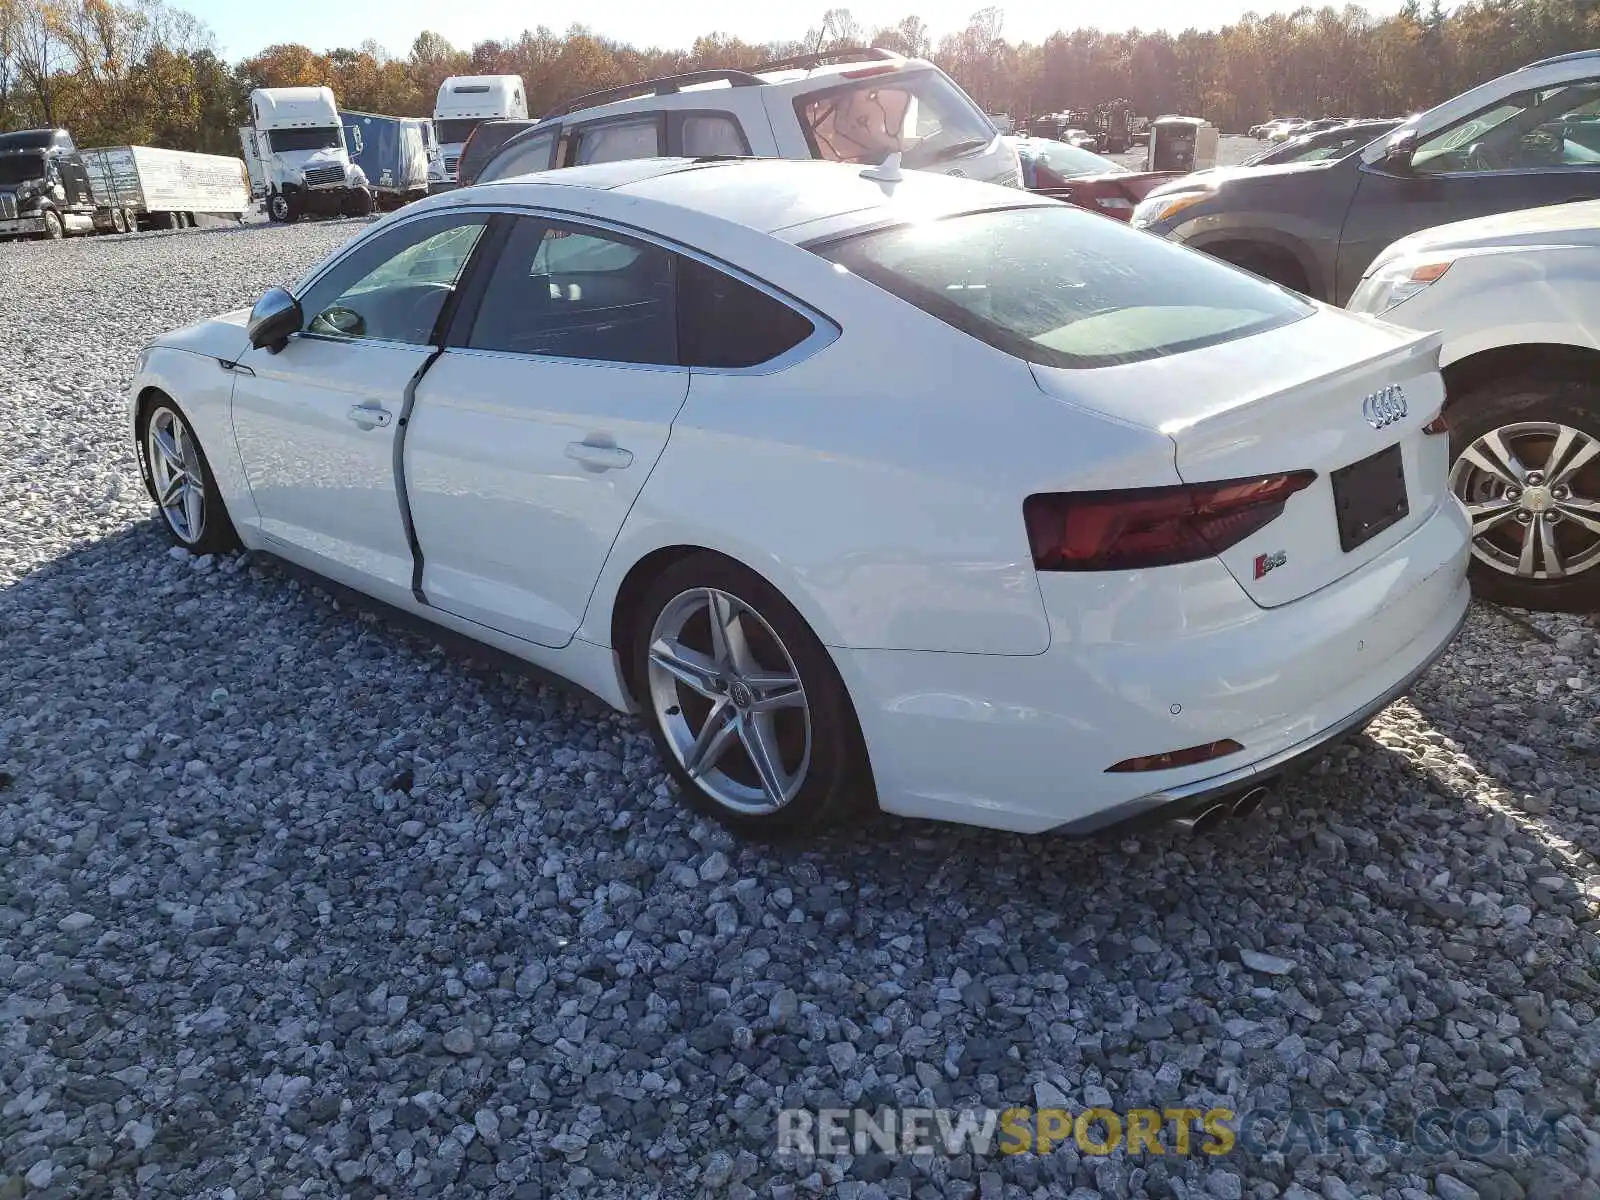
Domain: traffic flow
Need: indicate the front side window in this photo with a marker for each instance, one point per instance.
(394, 287)
(589, 294)
(21, 168)
(618, 141)
(1547, 127)
(921, 114)
(288, 141)
(1064, 287)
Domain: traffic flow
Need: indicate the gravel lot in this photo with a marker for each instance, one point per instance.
(294, 903)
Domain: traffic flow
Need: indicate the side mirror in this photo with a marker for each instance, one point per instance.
(275, 316)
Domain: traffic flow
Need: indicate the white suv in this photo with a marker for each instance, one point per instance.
(856, 106)
(1517, 297)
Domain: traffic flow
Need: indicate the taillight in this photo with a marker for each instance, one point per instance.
(1152, 527)
(1439, 424)
(1186, 757)
(868, 72)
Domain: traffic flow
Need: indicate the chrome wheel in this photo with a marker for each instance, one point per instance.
(725, 693)
(176, 474)
(1532, 490)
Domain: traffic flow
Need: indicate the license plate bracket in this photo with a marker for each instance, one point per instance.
(1369, 496)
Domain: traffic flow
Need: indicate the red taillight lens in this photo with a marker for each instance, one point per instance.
(1438, 425)
(868, 72)
(1177, 758)
(1152, 527)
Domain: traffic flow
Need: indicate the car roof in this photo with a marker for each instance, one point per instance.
(792, 199)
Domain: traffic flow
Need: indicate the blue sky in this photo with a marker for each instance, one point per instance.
(244, 26)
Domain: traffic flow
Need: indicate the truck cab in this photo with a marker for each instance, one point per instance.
(44, 188)
(300, 143)
(464, 102)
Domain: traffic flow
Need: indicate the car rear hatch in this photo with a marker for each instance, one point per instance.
(1346, 399)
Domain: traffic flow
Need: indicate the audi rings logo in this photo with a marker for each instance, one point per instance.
(1385, 407)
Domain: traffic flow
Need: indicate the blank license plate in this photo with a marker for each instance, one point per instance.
(1369, 496)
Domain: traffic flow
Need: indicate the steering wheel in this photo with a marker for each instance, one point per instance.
(1478, 158)
(427, 301)
(339, 321)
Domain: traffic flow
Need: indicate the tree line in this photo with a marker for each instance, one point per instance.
(147, 72)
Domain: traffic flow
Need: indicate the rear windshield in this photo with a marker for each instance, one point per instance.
(922, 114)
(1064, 287)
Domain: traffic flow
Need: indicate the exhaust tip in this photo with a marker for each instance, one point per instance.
(1248, 803)
(1205, 820)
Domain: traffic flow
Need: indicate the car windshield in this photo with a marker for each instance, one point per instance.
(19, 168)
(921, 114)
(1063, 287)
(285, 141)
(1066, 160)
(454, 132)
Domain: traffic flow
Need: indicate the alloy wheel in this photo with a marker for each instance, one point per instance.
(1532, 490)
(177, 475)
(725, 692)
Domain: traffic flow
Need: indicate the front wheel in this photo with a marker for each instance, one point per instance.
(279, 209)
(1526, 463)
(179, 478)
(54, 230)
(745, 706)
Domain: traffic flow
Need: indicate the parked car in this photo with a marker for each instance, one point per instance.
(965, 490)
(1344, 138)
(1517, 297)
(853, 106)
(1316, 227)
(1267, 127)
(1284, 130)
(1081, 138)
(1079, 177)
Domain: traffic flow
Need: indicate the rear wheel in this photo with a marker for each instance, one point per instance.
(179, 478)
(745, 706)
(119, 221)
(1527, 466)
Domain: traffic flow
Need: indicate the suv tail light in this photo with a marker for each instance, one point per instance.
(1152, 527)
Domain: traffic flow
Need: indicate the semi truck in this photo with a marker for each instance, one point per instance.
(297, 137)
(50, 189)
(392, 152)
(465, 101)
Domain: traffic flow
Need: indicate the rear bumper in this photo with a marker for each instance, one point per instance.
(1148, 663)
(1193, 797)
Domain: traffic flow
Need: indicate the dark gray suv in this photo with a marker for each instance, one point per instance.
(1523, 140)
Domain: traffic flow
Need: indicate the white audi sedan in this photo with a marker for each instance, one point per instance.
(857, 487)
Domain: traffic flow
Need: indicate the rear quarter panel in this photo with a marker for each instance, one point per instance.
(879, 484)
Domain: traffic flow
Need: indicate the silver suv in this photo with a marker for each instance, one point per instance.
(849, 106)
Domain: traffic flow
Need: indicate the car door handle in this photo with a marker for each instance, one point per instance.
(599, 458)
(369, 417)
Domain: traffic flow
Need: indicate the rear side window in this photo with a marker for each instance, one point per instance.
(619, 140)
(708, 134)
(921, 114)
(1066, 288)
(725, 323)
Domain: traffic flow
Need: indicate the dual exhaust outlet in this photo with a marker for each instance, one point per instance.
(1212, 815)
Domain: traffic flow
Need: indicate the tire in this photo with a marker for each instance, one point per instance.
(54, 230)
(162, 457)
(130, 220)
(279, 210)
(1535, 418)
(358, 202)
(819, 774)
(119, 221)
(1272, 265)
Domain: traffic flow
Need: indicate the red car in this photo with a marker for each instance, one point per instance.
(1081, 177)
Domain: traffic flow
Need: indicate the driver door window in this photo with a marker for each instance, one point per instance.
(1549, 128)
(394, 288)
